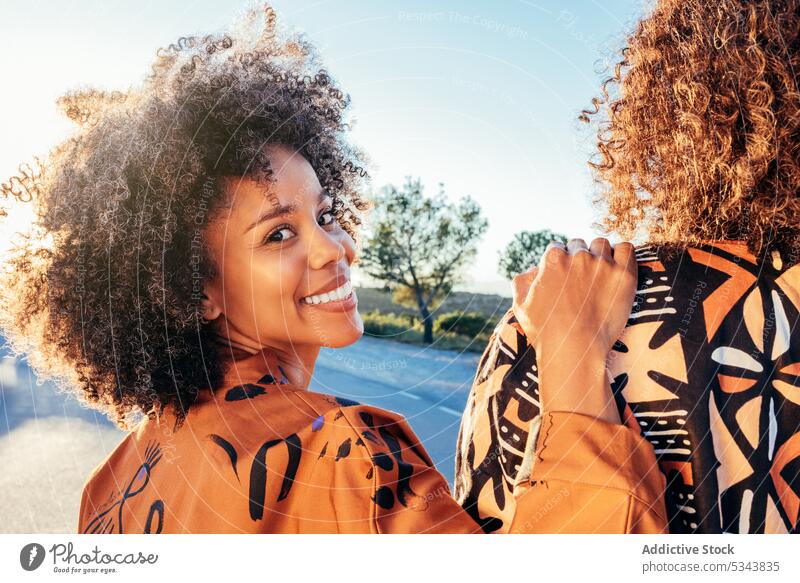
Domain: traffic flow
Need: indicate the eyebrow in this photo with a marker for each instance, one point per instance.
(283, 210)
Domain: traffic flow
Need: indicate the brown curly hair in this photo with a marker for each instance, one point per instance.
(104, 292)
(698, 127)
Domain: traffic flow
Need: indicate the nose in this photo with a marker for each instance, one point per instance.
(324, 247)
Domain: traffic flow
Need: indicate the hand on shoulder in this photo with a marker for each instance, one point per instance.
(572, 308)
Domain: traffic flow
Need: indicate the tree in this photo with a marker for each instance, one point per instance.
(525, 250)
(421, 244)
(406, 297)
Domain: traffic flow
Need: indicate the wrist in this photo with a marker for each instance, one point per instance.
(574, 379)
(569, 353)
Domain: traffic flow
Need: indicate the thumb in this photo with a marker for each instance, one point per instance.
(521, 284)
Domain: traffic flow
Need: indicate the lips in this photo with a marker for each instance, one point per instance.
(332, 284)
(340, 300)
(334, 295)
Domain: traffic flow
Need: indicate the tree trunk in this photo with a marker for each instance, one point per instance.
(427, 323)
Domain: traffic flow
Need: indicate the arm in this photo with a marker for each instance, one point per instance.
(571, 309)
(588, 476)
(602, 474)
(557, 345)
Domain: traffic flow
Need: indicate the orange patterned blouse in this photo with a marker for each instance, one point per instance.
(265, 456)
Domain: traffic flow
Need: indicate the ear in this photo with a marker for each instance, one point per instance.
(211, 308)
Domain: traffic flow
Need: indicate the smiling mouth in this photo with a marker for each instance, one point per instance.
(342, 292)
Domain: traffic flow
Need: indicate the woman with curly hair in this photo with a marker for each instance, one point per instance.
(699, 150)
(192, 254)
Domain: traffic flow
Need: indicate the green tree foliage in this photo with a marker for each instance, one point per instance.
(422, 244)
(525, 250)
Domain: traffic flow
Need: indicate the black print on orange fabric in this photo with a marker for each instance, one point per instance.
(228, 448)
(104, 522)
(258, 473)
(242, 392)
(383, 461)
(156, 511)
(384, 497)
(344, 450)
(404, 469)
(369, 436)
(346, 402)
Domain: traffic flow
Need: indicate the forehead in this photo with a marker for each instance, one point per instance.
(294, 182)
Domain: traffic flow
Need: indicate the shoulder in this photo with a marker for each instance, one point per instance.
(684, 259)
(323, 424)
(102, 484)
(356, 462)
(375, 431)
(688, 290)
(407, 494)
(384, 432)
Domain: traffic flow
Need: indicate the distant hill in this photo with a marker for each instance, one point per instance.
(490, 305)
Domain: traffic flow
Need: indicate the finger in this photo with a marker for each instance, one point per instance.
(576, 245)
(625, 256)
(521, 284)
(600, 247)
(553, 253)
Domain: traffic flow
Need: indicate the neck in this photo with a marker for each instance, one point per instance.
(292, 364)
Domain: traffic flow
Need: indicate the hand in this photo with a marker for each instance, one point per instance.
(572, 308)
(579, 296)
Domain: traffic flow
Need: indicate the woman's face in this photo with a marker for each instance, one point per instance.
(283, 261)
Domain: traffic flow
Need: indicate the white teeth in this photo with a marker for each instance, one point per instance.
(339, 293)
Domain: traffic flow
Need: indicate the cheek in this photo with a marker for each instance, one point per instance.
(259, 287)
(274, 282)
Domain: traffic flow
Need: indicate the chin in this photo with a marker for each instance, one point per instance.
(342, 340)
(342, 335)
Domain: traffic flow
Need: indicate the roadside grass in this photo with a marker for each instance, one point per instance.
(407, 328)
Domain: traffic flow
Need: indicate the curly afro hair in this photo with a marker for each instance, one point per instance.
(104, 293)
(698, 130)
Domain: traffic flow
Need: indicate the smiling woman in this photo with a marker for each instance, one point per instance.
(192, 255)
(284, 279)
(106, 293)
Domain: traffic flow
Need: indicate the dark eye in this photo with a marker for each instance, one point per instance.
(326, 218)
(278, 236)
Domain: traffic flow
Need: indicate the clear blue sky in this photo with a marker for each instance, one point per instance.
(481, 96)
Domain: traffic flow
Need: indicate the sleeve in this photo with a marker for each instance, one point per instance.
(590, 476)
(587, 476)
